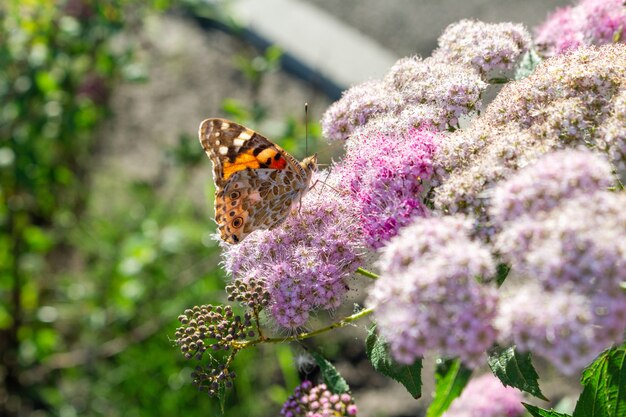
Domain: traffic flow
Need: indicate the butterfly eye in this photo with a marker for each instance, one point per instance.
(237, 222)
(234, 195)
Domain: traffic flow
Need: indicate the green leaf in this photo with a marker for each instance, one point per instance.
(450, 379)
(527, 65)
(515, 369)
(540, 412)
(332, 378)
(502, 271)
(604, 393)
(408, 375)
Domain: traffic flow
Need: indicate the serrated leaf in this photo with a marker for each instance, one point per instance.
(515, 369)
(527, 65)
(604, 392)
(450, 379)
(333, 380)
(408, 375)
(502, 271)
(540, 412)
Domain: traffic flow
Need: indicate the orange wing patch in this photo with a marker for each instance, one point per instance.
(253, 159)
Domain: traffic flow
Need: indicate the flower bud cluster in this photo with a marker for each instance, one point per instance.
(252, 294)
(212, 380)
(317, 401)
(211, 327)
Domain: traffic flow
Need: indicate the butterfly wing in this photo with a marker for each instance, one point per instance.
(255, 199)
(233, 148)
(256, 181)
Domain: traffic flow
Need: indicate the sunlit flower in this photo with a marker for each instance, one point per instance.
(428, 297)
(386, 173)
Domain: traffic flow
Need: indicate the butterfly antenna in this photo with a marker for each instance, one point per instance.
(306, 129)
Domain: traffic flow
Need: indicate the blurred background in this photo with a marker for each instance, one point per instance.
(106, 195)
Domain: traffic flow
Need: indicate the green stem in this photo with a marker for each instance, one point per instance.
(306, 335)
(499, 80)
(367, 273)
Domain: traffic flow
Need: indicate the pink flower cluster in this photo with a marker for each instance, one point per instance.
(572, 100)
(443, 87)
(483, 46)
(590, 22)
(428, 297)
(317, 401)
(386, 174)
(565, 232)
(485, 396)
(305, 263)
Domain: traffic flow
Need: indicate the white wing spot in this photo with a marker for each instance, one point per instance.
(217, 134)
(245, 135)
(238, 142)
(223, 150)
(225, 126)
(217, 142)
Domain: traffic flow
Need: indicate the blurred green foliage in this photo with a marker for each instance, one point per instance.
(92, 279)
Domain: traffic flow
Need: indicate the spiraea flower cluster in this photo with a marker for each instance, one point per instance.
(305, 263)
(317, 401)
(211, 327)
(543, 186)
(483, 46)
(529, 118)
(590, 22)
(429, 298)
(387, 175)
(485, 396)
(434, 91)
(566, 235)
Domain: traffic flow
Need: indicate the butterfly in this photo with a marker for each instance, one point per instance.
(257, 183)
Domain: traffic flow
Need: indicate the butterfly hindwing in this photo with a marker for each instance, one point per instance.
(254, 199)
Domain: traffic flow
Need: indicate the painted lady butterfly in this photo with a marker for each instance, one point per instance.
(257, 182)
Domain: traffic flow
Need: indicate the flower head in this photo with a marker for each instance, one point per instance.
(485, 396)
(483, 46)
(545, 184)
(428, 297)
(564, 326)
(303, 264)
(590, 22)
(357, 105)
(317, 401)
(387, 173)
